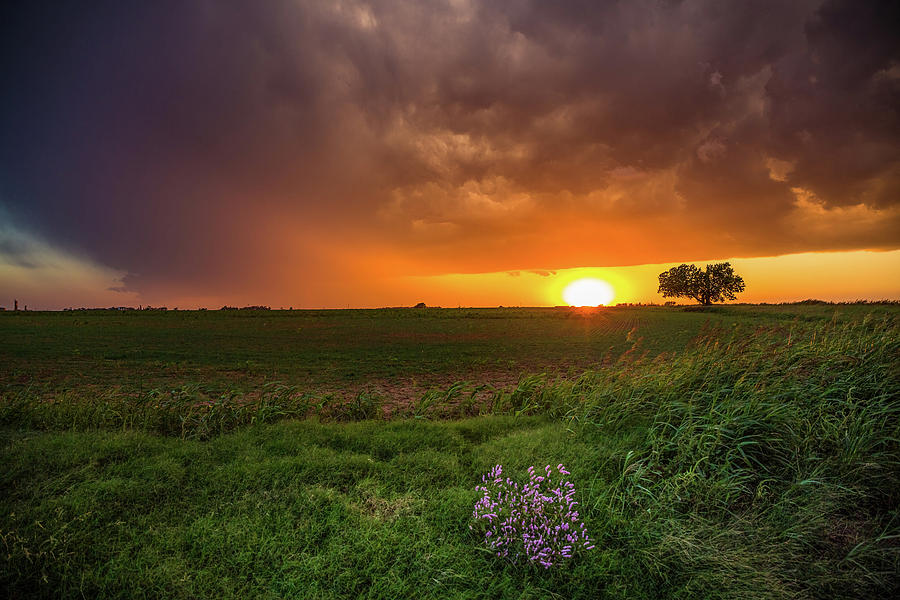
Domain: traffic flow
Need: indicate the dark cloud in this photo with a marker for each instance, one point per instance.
(217, 145)
(834, 105)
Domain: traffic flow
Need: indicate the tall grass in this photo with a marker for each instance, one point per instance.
(755, 463)
(784, 437)
(828, 373)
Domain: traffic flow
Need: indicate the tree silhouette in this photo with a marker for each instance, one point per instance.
(715, 284)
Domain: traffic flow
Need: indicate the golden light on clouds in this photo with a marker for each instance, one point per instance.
(368, 154)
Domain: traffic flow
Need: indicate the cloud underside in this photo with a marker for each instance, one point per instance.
(33, 273)
(224, 144)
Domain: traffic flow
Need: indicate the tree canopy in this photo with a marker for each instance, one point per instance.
(717, 283)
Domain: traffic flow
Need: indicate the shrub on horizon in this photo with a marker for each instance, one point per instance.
(537, 521)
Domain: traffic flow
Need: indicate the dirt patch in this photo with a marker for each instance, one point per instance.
(382, 509)
(435, 337)
(844, 534)
(452, 394)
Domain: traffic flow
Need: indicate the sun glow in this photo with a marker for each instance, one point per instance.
(588, 292)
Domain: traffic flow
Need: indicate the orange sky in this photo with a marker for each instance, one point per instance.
(835, 276)
(839, 276)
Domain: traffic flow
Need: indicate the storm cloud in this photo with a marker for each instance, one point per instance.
(220, 145)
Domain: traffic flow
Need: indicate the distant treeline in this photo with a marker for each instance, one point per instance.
(812, 301)
(165, 308)
(226, 307)
(807, 302)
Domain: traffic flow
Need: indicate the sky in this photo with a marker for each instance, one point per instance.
(461, 153)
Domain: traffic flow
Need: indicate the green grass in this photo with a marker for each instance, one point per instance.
(759, 460)
(226, 351)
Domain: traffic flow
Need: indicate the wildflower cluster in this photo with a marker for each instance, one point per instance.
(537, 520)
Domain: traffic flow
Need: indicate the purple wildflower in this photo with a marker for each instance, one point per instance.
(534, 521)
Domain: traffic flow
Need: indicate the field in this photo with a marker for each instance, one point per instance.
(396, 355)
(735, 452)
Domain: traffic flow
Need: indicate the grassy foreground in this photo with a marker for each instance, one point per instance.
(756, 463)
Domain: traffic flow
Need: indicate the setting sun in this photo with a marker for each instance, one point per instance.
(588, 292)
